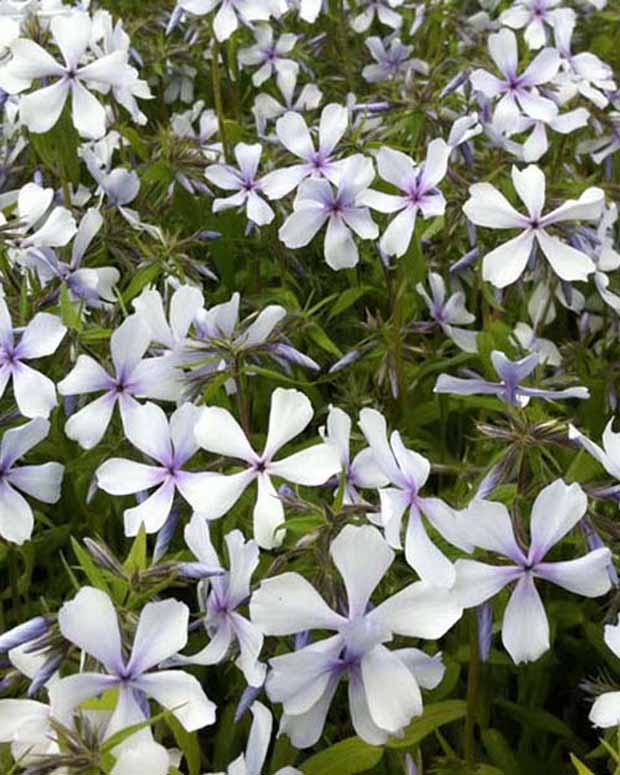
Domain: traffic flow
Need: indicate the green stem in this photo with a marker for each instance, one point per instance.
(473, 681)
(216, 77)
(243, 404)
(343, 42)
(14, 582)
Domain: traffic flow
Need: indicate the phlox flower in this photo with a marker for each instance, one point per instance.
(231, 12)
(407, 472)
(556, 511)
(120, 187)
(546, 350)
(605, 711)
(135, 377)
(383, 686)
(608, 455)
(217, 431)
(35, 394)
(108, 38)
(220, 596)
(361, 472)
(537, 144)
(245, 182)
(91, 286)
(41, 482)
(383, 10)
(582, 73)
(222, 338)
(170, 445)
(25, 725)
(318, 203)
(292, 131)
(392, 60)
(267, 108)
(419, 193)
(269, 55)
(517, 94)
(39, 223)
(535, 16)
(488, 207)
(41, 109)
(252, 761)
(509, 388)
(143, 754)
(89, 621)
(449, 312)
(309, 10)
(171, 331)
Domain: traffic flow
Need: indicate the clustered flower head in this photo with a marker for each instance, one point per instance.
(281, 284)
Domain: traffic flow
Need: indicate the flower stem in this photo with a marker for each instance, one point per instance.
(343, 42)
(473, 680)
(216, 77)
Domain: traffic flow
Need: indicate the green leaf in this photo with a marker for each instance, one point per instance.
(136, 559)
(580, 766)
(92, 572)
(348, 299)
(123, 734)
(345, 758)
(70, 311)
(434, 717)
(500, 752)
(140, 280)
(188, 743)
(536, 718)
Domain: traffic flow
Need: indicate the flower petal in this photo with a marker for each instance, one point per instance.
(89, 621)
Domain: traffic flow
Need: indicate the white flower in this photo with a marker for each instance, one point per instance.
(90, 622)
(25, 724)
(41, 109)
(39, 222)
(293, 133)
(170, 445)
(146, 755)
(556, 511)
(544, 348)
(488, 207)
(609, 455)
(269, 55)
(418, 186)
(449, 313)
(267, 108)
(35, 394)
(135, 377)
(41, 482)
(243, 180)
(309, 10)
(317, 203)
(518, 92)
(361, 472)
(184, 308)
(605, 711)
(231, 12)
(217, 431)
(120, 187)
(408, 472)
(253, 760)
(220, 597)
(533, 15)
(91, 286)
(384, 686)
(582, 73)
(382, 9)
